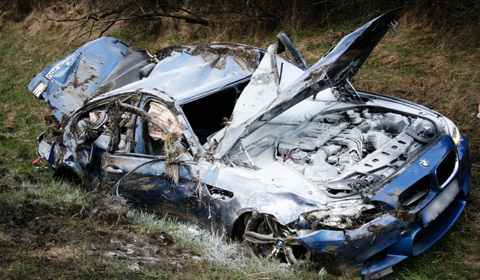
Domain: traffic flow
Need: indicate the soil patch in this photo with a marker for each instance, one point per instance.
(76, 239)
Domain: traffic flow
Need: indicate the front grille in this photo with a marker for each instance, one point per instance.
(446, 168)
(414, 194)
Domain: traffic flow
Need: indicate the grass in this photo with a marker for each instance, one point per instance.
(214, 247)
(47, 190)
(420, 65)
(21, 116)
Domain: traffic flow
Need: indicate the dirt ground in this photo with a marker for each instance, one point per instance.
(60, 240)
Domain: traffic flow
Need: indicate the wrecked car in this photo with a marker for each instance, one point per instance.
(291, 159)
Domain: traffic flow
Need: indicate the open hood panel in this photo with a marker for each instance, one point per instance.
(332, 70)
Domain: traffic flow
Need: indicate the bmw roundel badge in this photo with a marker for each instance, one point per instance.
(424, 163)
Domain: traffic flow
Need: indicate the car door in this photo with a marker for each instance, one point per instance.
(149, 178)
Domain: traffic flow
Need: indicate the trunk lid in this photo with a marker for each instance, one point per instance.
(66, 84)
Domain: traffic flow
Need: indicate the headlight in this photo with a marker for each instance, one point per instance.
(455, 135)
(453, 130)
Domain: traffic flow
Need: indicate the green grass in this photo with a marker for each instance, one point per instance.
(21, 116)
(44, 189)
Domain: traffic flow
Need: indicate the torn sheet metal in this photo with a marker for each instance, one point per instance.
(262, 89)
(190, 73)
(68, 83)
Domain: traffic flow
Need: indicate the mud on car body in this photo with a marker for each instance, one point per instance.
(290, 158)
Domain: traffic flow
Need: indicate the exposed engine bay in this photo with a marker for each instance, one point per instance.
(343, 152)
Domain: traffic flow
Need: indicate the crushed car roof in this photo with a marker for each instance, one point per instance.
(183, 73)
(191, 72)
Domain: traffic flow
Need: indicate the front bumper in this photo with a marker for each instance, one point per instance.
(374, 248)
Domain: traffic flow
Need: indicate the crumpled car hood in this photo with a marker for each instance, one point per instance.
(332, 70)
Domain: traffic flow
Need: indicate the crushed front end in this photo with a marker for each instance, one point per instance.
(411, 213)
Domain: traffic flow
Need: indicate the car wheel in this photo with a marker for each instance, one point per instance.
(266, 238)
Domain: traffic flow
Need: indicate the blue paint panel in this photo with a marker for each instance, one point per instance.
(354, 247)
(415, 172)
(70, 81)
(322, 239)
(464, 165)
(432, 233)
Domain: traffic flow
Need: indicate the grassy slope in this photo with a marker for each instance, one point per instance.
(420, 65)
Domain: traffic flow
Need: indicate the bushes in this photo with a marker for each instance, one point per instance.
(246, 15)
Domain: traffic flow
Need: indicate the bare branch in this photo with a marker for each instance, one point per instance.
(106, 29)
(159, 15)
(5, 7)
(108, 15)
